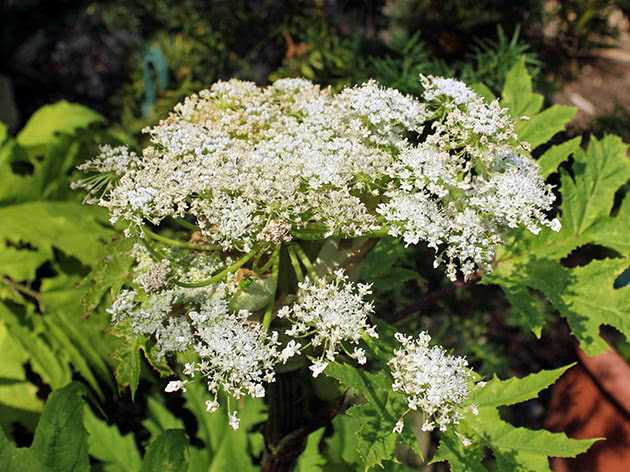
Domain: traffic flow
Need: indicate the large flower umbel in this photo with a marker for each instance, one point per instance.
(262, 165)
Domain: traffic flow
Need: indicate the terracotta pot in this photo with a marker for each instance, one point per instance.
(591, 400)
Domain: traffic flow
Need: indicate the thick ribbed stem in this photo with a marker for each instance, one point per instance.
(286, 428)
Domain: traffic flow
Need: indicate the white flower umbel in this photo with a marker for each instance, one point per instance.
(331, 314)
(235, 356)
(434, 382)
(253, 166)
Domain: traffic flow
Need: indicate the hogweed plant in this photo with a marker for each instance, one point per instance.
(278, 192)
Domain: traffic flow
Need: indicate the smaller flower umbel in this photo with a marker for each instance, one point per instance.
(332, 313)
(433, 381)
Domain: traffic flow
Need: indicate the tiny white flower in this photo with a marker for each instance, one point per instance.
(427, 426)
(359, 355)
(212, 406)
(234, 421)
(318, 367)
(291, 349)
(174, 386)
(398, 427)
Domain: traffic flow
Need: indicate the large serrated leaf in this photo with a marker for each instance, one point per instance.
(517, 95)
(585, 295)
(60, 442)
(60, 117)
(516, 390)
(376, 440)
(515, 449)
(543, 126)
(106, 444)
(599, 172)
(167, 453)
(69, 226)
(555, 155)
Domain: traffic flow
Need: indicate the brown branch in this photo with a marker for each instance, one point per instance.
(21, 289)
(433, 298)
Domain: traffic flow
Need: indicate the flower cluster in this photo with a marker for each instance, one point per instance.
(433, 381)
(331, 313)
(252, 165)
(234, 354)
(249, 169)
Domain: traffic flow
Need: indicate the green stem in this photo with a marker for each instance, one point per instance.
(297, 268)
(181, 244)
(186, 224)
(274, 276)
(266, 265)
(221, 275)
(318, 236)
(305, 261)
(152, 252)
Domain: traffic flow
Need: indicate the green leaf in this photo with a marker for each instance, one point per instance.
(49, 120)
(373, 387)
(13, 458)
(126, 358)
(21, 264)
(555, 155)
(42, 358)
(16, 187)
(106, 444)
(60, 442)
(110, 273)
(167, 453)
(599, 172)
(518, 97)
(543, 126)
(71, 227)
(82, 340)
(521, 448)
(516, 390)
(376, 441)
(483, 91)
(232, 454)
(254, 294)
(612, 231)
(528, 311)
(584, 295)
(517, 93)
(459, 457)
(212, 427)
(160, 418)
(590, 300)
(224, 446)
(515, 449)
(18, 397)
(311, 459)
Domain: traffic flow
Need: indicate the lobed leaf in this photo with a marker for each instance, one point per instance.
(167, 453)
(60, 117)
(106, 444)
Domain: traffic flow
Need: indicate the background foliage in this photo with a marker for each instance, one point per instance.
(77, 394)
